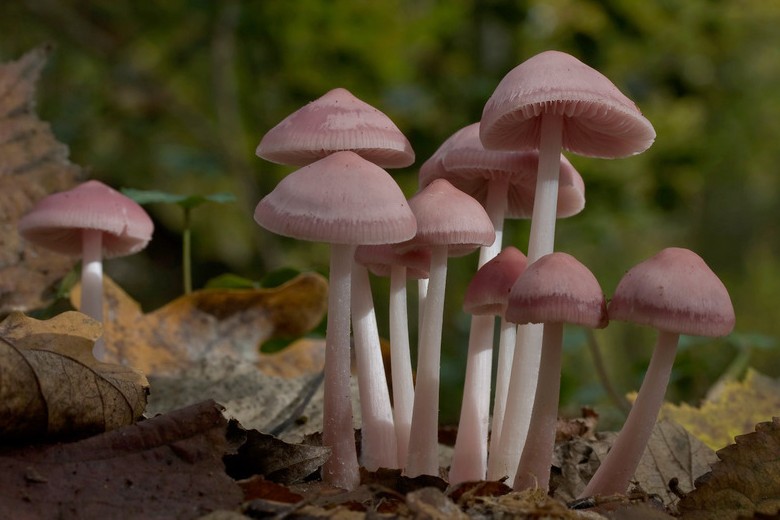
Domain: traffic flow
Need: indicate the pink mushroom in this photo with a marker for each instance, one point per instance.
(486, 297)
(449, 222)
(554, 290)
(345, 201)
(94, 221)
(334, 122)
(677, 293)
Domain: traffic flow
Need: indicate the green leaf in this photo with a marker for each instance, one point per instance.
(185, 201)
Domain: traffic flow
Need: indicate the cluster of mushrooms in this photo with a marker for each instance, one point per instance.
(508, 165)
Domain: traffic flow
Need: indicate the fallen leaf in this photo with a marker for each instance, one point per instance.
(274, 459)
(169, 466)
(208, 324)
(33, 164)
(744, 483)
(733, 411)
(672, 453)
(51, 386)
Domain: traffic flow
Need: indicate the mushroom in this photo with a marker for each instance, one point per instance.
(94, 221)
(554, 290)
(449, 222)
(384, 260)
(336, 121)
(343, 200)
(677, 293)
(486, 297)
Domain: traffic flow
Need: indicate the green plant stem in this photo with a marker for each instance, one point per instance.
(598, 363)
(186, 253)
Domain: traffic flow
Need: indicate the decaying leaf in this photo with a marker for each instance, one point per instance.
(733, 411)
(166, 467)
(33, 164)
(52, 386)
(672, 453)
(744, 483)
(209, 324)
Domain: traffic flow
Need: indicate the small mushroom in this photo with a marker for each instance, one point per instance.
(677, 293)
(94, 221)
(554, 290)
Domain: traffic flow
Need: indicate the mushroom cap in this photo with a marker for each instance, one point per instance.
(464, 162)
(57, 221)
(488, 291)
(674, 291)
(340, 199)
(598, 120)
(447, 216)
(334, 122)
(557, 288)
(380, 258)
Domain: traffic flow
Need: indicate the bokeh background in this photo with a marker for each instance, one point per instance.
(175, 96)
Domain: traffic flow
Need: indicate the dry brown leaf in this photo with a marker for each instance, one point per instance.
(744, 483)
(52, 386)
(166, 467)
(736, 408)
(33, 164)
(208, 324)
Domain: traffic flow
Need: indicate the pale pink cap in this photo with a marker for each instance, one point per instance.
(380, 258)
(674, 291)
(334, 122)
(557, 288)
(447, 216)
(340, 199)
(464, 162)
(56, 222)
(488, 291)
(598, 119)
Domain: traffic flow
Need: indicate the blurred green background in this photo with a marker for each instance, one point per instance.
(175, 96)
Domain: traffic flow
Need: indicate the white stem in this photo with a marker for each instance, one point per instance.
(469, 460)
(533, 471)
(542, 234)
(379, 446)
(615, 472)
(423, 457)
(495, 207)
(519, 403)
(92, 283)
(506, 349)
(341, 469)
(422, 292)
(400, 361)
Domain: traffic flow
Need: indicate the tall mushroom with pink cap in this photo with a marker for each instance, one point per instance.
(676, 293)
(343, 200)
(554, 290)
(93, 221)
(336, 121)
(450, 223)
(486, 296)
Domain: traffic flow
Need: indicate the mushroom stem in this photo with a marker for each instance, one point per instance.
(542, 233)
(534, 467)
(400, 361)
(92, 282)
(423, 456)
(379, 446)
(615, 472)
(341, 469)
(519, 403)
(469, 459)
(506, 350)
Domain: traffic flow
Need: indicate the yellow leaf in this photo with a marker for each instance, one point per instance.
(208, 324)
(52, 386)
(733, 411)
